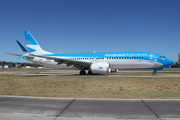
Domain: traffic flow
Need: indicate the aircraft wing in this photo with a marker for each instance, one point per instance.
(13, 54)
(69, 62)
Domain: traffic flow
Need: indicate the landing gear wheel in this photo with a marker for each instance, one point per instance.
(89, 72)
(154, 73)
(82, 72)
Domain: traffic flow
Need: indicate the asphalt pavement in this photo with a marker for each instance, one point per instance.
(43, 108)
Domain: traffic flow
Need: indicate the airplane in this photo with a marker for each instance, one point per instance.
(95, 63)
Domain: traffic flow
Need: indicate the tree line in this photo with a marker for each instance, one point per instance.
(13, 64)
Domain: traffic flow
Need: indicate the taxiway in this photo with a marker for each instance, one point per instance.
(39, 108)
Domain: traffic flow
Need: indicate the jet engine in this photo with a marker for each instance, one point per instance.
(100, 68)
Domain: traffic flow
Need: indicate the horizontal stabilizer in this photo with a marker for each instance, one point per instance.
(13, 54)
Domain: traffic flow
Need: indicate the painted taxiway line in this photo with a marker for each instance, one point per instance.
(29, 114)
(168, 99)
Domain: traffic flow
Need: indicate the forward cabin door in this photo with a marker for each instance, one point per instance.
(151, 58)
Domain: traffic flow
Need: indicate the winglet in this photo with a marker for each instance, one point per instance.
(23, 49)
(22, 56)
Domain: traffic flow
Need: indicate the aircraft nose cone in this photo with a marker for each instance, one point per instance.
(170, 62)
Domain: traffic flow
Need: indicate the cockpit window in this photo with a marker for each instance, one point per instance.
(162, 56)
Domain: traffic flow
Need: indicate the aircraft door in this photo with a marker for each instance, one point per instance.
(151, 57)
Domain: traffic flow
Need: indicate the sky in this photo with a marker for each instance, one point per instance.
(80, 26)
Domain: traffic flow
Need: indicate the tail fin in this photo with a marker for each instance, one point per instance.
(32, 45)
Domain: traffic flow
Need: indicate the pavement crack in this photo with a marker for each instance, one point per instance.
(151, 110)
(5, 99)
(64, 109)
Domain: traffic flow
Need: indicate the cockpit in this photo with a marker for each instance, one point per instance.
(162, 56)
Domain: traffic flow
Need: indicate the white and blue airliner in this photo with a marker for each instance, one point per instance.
(94, 63)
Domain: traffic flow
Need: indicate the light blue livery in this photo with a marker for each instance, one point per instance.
(95, 63)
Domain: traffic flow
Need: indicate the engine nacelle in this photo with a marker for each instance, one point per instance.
(114, 70)
(100, 68)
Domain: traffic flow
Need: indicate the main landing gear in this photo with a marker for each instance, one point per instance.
(83, 72)
(89, 72)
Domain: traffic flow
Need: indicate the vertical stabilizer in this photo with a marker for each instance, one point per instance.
(32, 45)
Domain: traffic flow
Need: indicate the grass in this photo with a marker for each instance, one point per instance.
(23, 70)
(89, 86)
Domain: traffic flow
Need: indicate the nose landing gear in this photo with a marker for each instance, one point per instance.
(154, 73)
